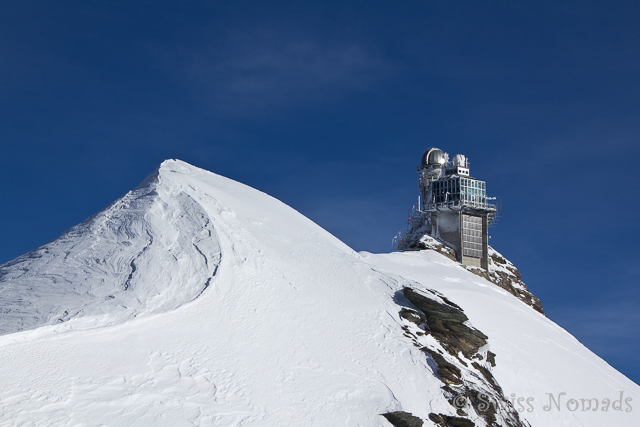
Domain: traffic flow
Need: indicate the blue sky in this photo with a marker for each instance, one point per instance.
(328, 107)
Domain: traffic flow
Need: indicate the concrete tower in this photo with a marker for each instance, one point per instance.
(452, 208)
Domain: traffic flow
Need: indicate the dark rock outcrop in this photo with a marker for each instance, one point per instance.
(459, 360)
(448, 372)
(447, 421)
(403, 419)
(446, 323)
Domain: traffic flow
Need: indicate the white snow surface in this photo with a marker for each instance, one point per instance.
(150, 251)
(198, 301)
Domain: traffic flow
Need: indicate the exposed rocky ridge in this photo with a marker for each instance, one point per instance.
(501, 271)
(445, 322)
(459, 356)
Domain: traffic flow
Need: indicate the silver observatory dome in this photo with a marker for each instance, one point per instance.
(433, 156)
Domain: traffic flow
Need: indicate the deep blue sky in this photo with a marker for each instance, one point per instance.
(328, 107)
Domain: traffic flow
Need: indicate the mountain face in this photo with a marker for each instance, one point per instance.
(151, 251)
(196, 300)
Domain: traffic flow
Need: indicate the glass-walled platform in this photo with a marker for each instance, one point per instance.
(459, 191)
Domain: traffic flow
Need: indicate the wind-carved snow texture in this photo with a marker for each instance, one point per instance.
(126, 261)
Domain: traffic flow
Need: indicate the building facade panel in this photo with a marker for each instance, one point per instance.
(472, 236)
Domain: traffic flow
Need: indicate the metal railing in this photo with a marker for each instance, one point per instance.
(459, 204)
(416, 220)
(417, 216)
(495, 216)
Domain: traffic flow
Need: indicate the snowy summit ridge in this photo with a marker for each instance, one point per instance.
(127, 260)
(196, 300)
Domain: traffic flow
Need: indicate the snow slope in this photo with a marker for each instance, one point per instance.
(150, 251)
(196, 300)
(536, 359)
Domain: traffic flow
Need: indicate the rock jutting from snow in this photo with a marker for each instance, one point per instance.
(403, 419)
(464, 367)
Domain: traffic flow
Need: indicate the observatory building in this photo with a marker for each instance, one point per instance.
(452, 208)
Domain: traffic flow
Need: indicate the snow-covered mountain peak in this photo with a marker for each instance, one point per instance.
(197, 300)
(174, 166)
(168, 168)
(154, 249)
(177, 165)
(150, 251)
